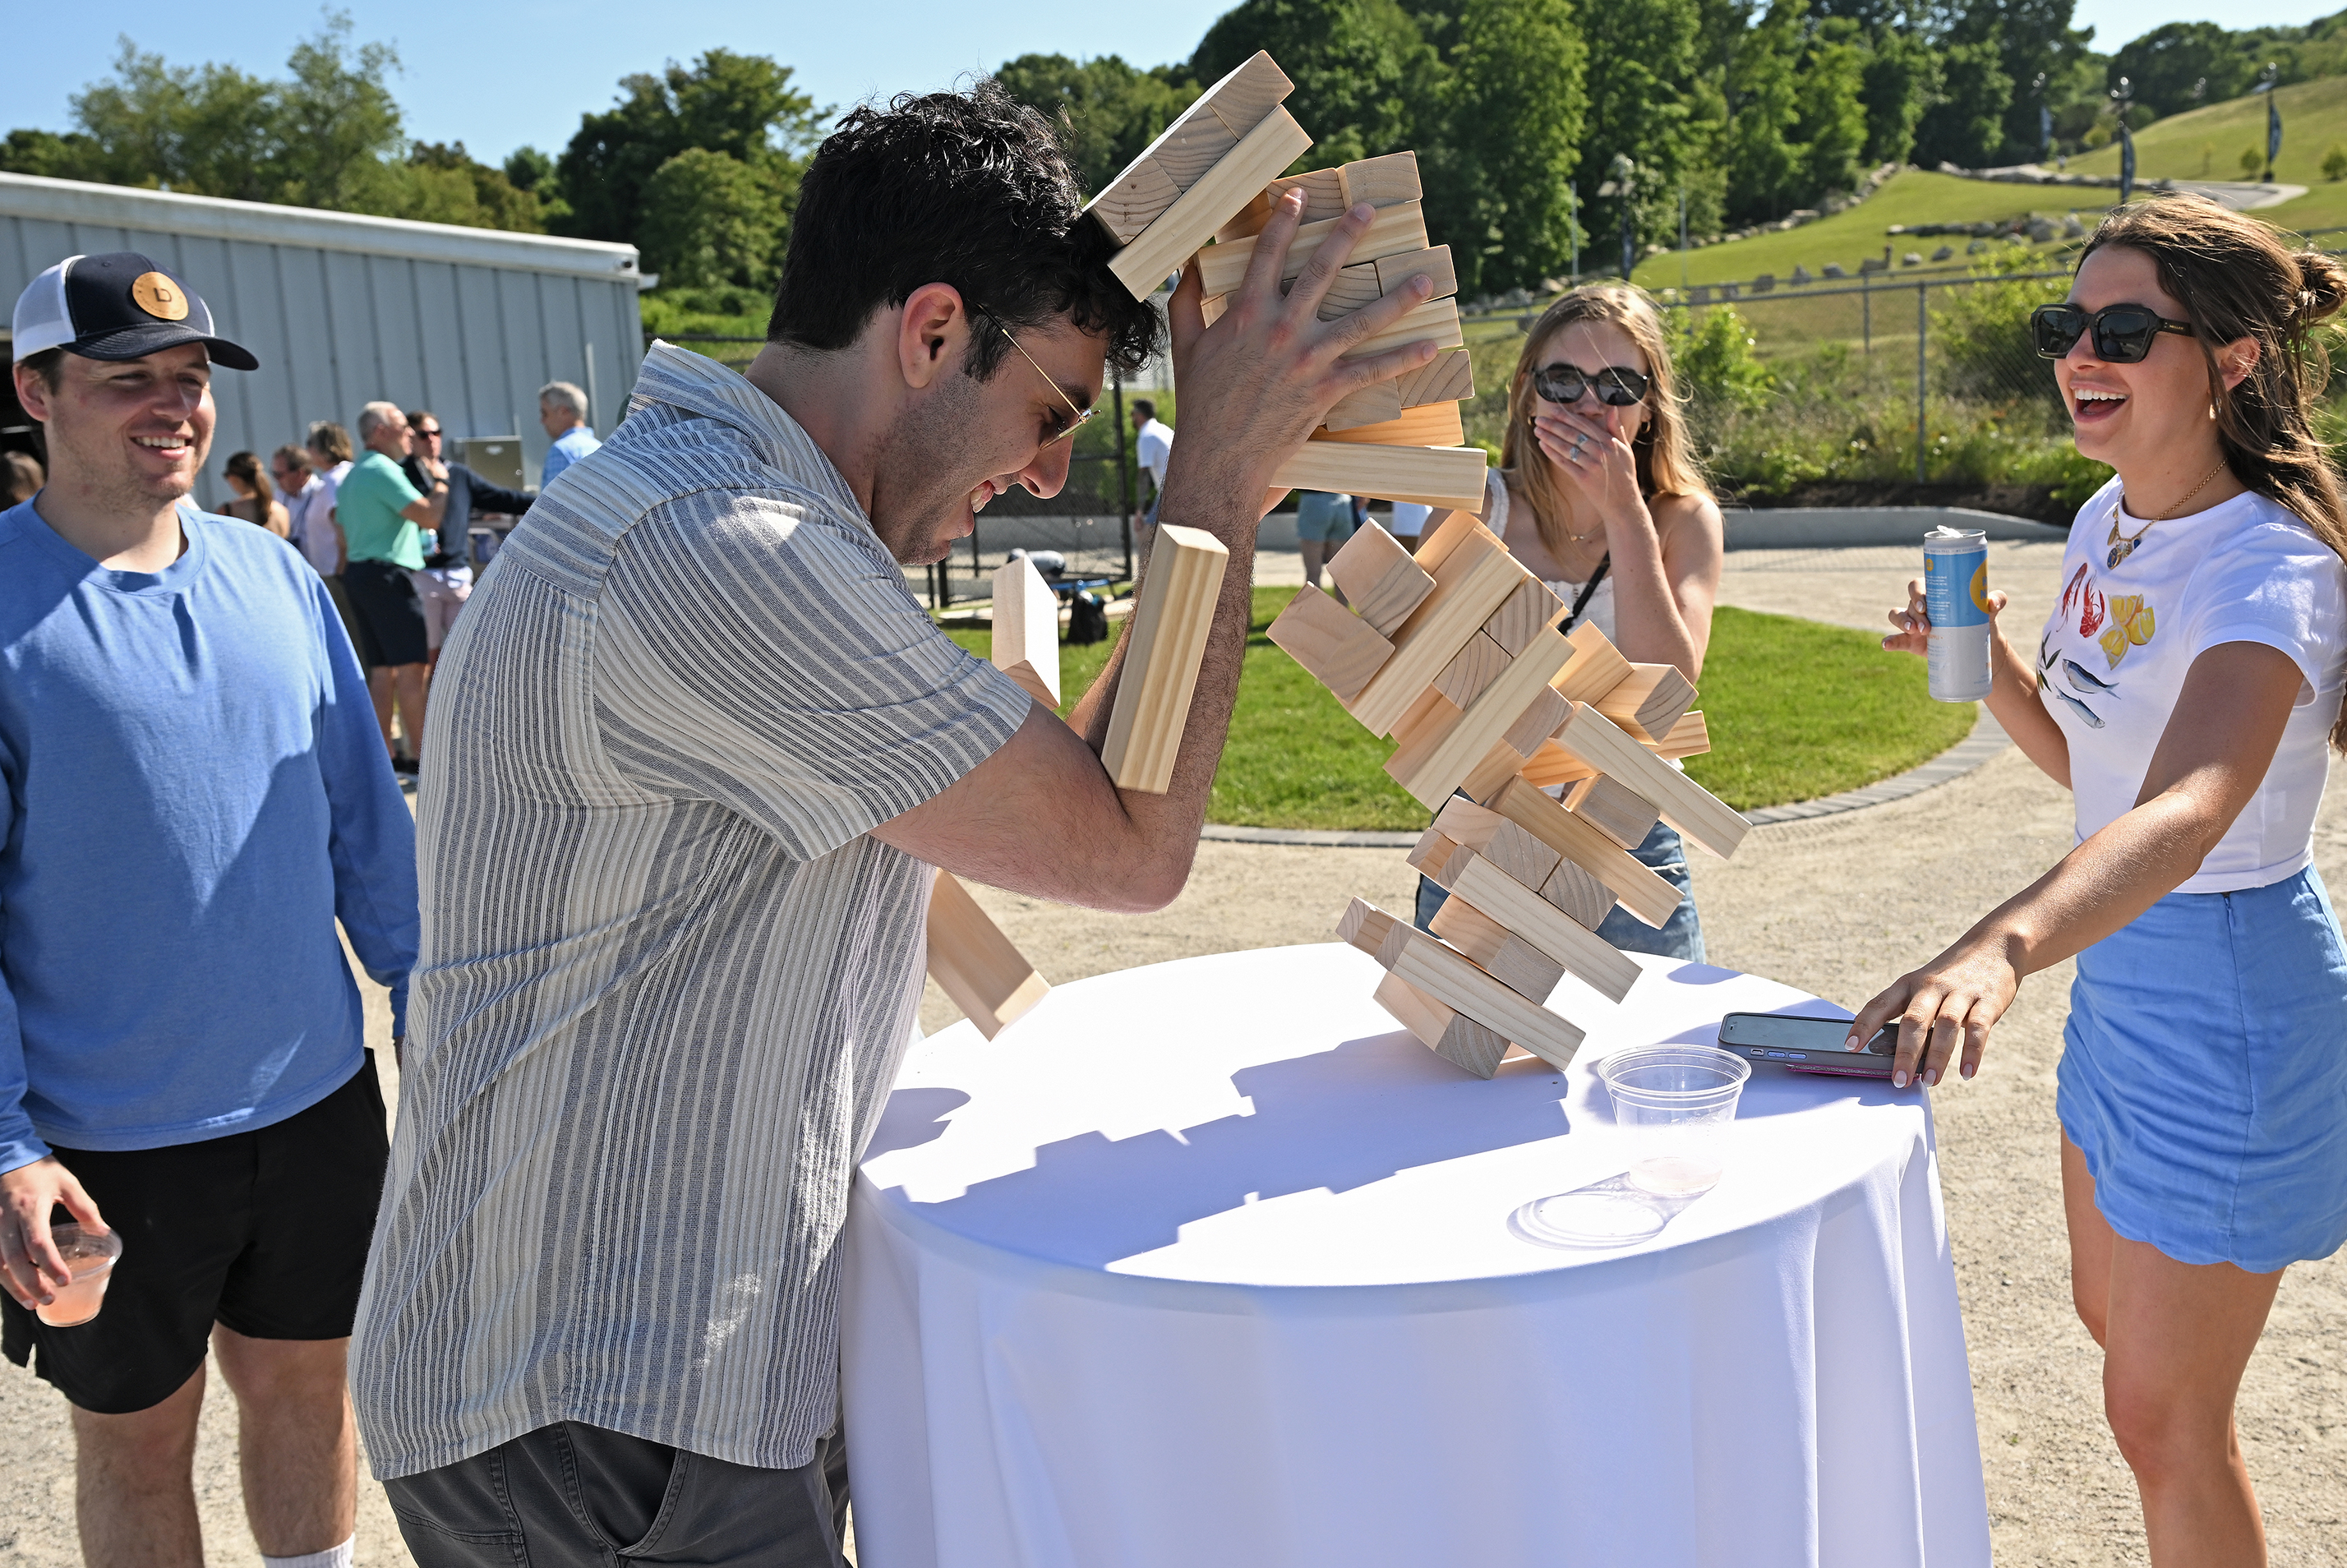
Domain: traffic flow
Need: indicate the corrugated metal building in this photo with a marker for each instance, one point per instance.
(341, 310)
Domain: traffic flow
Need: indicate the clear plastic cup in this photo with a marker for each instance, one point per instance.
(91, 1256)
(1676, 1102)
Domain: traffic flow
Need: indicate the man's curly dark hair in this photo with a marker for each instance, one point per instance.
(968, 188)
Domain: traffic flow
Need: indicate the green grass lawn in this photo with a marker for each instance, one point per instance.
(1796, 710)
(2208, 143)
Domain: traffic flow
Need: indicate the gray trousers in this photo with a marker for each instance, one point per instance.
(569, 1494)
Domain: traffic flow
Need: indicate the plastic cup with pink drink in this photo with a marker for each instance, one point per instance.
(91, 1256)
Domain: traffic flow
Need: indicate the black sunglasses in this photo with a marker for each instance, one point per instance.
(1617, 383)
(2123, 333)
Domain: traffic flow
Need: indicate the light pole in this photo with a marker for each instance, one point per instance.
(2267, 82)
(2123, 96)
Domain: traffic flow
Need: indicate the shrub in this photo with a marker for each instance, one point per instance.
(1712, 349)
(2334, 162)
(1982, 332)
(2252, 162)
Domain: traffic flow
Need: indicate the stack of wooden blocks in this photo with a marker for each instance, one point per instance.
(1455, 653)
(1213, 177)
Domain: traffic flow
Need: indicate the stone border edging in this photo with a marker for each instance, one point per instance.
(1987, 739)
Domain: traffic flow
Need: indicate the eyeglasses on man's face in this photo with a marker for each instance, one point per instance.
(1079, 417)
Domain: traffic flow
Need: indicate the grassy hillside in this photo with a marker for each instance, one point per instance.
(2208, 143)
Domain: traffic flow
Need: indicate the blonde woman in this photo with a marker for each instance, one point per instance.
(256, 498)
(1597, 495)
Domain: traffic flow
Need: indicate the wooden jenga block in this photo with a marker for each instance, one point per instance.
(1448, 477)
(1448, 1032)
(1622, 814)
(1435, 321)
(1453, 979)
(1499, 840)
(1528, 915)
(1431, 852)
(1187, 151)
(1476, 666)
(1138, 198)
(1393, 271)
(1381, 182)
(1639, 890)
(1701, 816)
(1191, 220)
(1429, 765)
(1161, 655)
(1026, 630)
(1472, 573)
(1538, 720)
(1575, 890)
(1352, 288)
(975, 964)
(1511, 959)
(1531, 608)
(1200, 134)
(1329, 192)
(1432, 424)
(1446, 379)
(1597, 667)
(1380, 402)
(1324, 195)
(1378, 578)
(1394, 232)
(1246, 97)
(1690, 737)
(1364, 926)
(1500, 764)
(1336, 647)
(1648, 701)
(1551, 765)
(1433, 715)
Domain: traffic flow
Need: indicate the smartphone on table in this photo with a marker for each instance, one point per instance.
(1807, 1044)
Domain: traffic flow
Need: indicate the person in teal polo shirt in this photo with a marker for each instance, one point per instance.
(384, 519)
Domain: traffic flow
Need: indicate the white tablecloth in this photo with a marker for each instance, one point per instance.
(1209, 1263)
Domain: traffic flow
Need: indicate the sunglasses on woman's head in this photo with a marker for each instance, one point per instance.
(2123, 333)
(1617, 383)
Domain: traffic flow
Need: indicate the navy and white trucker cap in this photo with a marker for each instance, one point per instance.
(116, 306)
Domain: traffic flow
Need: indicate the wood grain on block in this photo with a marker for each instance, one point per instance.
(1380, 578)
(1224, 113)
(1324, 194)
(974, 963)
(1500, 764)
(1456, 530)
(1700, 816)
(1141, 195)
(1452, 979)
(1336, 647)
(1352, 288)
(1170, 621)
(1503, 843)
(1512, 960)
(1538, 720)
(1690, 737)
(1622, 814)
(1596, 669)
(1378, 404)
(1381, 182)
(1445, 1031)
(1551, 765)
(1435, 321)
(1393, 271)
(1027, 629)
(1473, 572)
(1449, 476)
(1429, 425)
(1648, 701)
(1432, 849)
(1433, 715)
(1364, 926)
(1637, 888)
(1189, 151)
(1448, 378)
(1474, 667)
(1575, 890)
(1531, 608)
(1254, 88)
(1581, 951)
(1431, 764)
(1203, 207)
(1249, 220)
(1393, 231)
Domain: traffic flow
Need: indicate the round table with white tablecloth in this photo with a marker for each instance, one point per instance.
(1210, 1263)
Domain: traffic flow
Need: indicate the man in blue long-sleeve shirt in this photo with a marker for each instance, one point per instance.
(193, 792)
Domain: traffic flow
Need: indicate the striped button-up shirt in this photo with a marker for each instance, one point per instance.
(666, 975)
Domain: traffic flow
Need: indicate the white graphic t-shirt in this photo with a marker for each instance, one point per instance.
(2112, 657)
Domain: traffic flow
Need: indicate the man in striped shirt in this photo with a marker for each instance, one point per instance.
(694, 750)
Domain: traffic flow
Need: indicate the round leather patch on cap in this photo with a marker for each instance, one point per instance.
(159, 296)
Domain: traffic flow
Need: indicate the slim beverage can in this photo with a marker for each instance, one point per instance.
(1955, 596)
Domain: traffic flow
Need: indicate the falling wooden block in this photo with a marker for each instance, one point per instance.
(1138, 198)
(1433, 850)
(1393, 271)
(1198, 138)
(1648, 701)
(1379, 579)
(1622, 814)
(1447, 476)
(1500, 764)
(1175, 611)
(1702, 817)
(1531, 608)
(1352, 288)
(1512, 960)
(1448, 1032)
(1476, 666)
(1690, 737)
(1575, 889)
(1380, 402)
(1330, 192)
(1452, 979)
(1435, 321)
(1026, 630)
(1448, 378)
(975, 964)
(1551, 765)
(1336, 647)
(1394, 232)
(1499, 840)
(1434, 425)
(1381, 182)
(1597, 666)
(1188, 152)
(1430, 765)
(1191, 220)
(1364, 926)
(1524, 912)
(1431, 715)
(1637, 888)
(1473, 572)
(1248, 94)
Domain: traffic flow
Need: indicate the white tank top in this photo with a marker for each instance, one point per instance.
(1599, 610)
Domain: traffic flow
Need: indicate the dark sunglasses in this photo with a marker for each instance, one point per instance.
(1617, 383)
(2123, 333)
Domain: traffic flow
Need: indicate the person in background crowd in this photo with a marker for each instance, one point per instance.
(289, 470)
(190, 797)
(1152, 449)
(329, 446)
(562, 410)
(1409, 524)
(20, 477)
(1323, 523)
(384, 520)
(446, 579)
(256, 498)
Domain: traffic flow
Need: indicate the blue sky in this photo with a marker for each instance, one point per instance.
(519, 71)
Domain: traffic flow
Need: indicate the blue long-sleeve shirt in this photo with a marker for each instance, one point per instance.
(193, 790)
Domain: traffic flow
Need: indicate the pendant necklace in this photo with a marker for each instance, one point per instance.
(2123, 545)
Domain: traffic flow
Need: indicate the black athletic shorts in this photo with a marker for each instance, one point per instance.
(265, 1231)
(389, 613)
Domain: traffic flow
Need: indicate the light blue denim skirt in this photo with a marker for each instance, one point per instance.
(2204, 1075)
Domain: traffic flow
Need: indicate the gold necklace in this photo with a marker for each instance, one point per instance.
(2123, 545)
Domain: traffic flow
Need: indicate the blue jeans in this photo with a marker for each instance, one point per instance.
(1680, 936)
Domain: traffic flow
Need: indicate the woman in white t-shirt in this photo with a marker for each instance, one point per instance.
(2184, 689)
